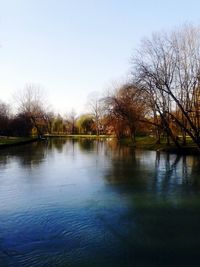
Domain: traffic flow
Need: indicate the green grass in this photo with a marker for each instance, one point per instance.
(8, 141)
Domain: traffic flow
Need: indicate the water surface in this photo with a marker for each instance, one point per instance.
(94, 203)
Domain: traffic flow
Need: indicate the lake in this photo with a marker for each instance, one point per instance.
(95, 203)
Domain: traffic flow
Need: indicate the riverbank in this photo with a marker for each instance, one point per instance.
(149, 143)
(145, 142)
(77, 136)
(7, 141)
(15, 141)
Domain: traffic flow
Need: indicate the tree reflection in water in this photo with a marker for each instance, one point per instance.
(117, 205)
(162, 193)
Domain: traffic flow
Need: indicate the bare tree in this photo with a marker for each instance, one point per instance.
(168, 66)
(95, 109)
(71, 119)
(31, 104)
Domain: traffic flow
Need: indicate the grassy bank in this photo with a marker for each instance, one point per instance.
(13, 141)
(77, 136)
(149, 143)
(145, 142)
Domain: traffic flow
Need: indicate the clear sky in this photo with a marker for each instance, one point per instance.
(74, 47)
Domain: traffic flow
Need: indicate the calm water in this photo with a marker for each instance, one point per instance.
(89, 203)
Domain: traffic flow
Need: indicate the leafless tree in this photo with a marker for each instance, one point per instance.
(95, 109)
(31, 103)
(71, 119)
(168, 66)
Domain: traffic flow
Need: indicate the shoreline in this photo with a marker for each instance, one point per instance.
(146, 143)
(77, 136)
(10, 142)
(149, 143)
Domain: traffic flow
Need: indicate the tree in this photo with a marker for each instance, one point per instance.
(95, 108)
(31, 104)
(71, 119)
(167, 67)
(85, 124)
(58, 124)
(4, 118)
(50, 116)
(126, 108)
(20, 125)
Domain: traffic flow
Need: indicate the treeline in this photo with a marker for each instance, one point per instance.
(164, 93)
(118, 113)
(162, 98)
(34, 117)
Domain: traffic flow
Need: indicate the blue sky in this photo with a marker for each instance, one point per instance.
(74, 47)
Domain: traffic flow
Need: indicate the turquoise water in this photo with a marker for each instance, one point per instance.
(94, 203)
